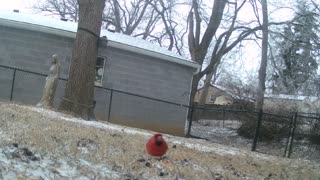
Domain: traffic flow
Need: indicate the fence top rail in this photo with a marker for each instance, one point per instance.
(27, 71)
(308, 117)
(243, 111)
(167, 102)
(22, 70)
(150, 98)
(223, 109)
(276, 115)
(314, 114)
(100, 87)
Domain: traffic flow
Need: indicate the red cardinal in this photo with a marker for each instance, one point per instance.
(157, 146)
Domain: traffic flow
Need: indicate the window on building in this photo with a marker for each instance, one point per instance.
(212, 98)
(100, 63)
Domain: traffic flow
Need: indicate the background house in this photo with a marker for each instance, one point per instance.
(216, 95)
(220, 96)
(292, 103)
(125, 64)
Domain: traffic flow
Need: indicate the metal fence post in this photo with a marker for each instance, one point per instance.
(12, 85)
(110, 104)
(190, 122)
(254, 144)
(292, 134)
(223, 117)
(286, 150)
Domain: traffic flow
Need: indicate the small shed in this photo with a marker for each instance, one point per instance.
(128, 70)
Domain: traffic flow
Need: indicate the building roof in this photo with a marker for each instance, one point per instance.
(229, 92)
(292, 97)
(216, 86)
(68, 29)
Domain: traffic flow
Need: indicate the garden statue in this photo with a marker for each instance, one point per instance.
(51, 84)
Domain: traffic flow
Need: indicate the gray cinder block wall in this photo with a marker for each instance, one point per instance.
(124, 71)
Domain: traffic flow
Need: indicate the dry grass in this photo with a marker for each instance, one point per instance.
(126, 154)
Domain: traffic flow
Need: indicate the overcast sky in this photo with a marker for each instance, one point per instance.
(250, 60)
(22, 5)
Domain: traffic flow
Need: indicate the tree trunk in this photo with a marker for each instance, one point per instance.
(264, 57)
(205, 89)
(117, 18)
(79, 91)
(216, 62)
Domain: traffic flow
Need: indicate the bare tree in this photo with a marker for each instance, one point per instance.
(148, 19)
(126, 17)
(79, 91)
(198, 47)
(243, 91)
(67, 9)
(264, 57)
(224, 42)
(123, 16)
(164, 8)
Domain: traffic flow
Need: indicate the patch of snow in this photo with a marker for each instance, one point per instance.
(4, 136)
(95, 124)
(49, 168)
(200, 147)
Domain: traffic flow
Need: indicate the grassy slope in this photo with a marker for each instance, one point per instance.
(123, 149)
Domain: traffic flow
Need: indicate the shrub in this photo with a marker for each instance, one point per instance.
(268, 131)
(315, 133)
(272, 128)
(315, 138)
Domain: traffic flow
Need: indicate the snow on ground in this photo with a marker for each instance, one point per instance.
(15, 163)
(96, 124)
(42, 144)
(225, 132)
(222, 132)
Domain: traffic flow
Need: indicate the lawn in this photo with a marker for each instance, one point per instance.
(62, 146)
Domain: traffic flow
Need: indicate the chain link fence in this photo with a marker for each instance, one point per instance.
(295, 135)
(111, 105)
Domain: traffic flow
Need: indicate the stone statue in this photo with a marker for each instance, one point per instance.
(51, 84)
